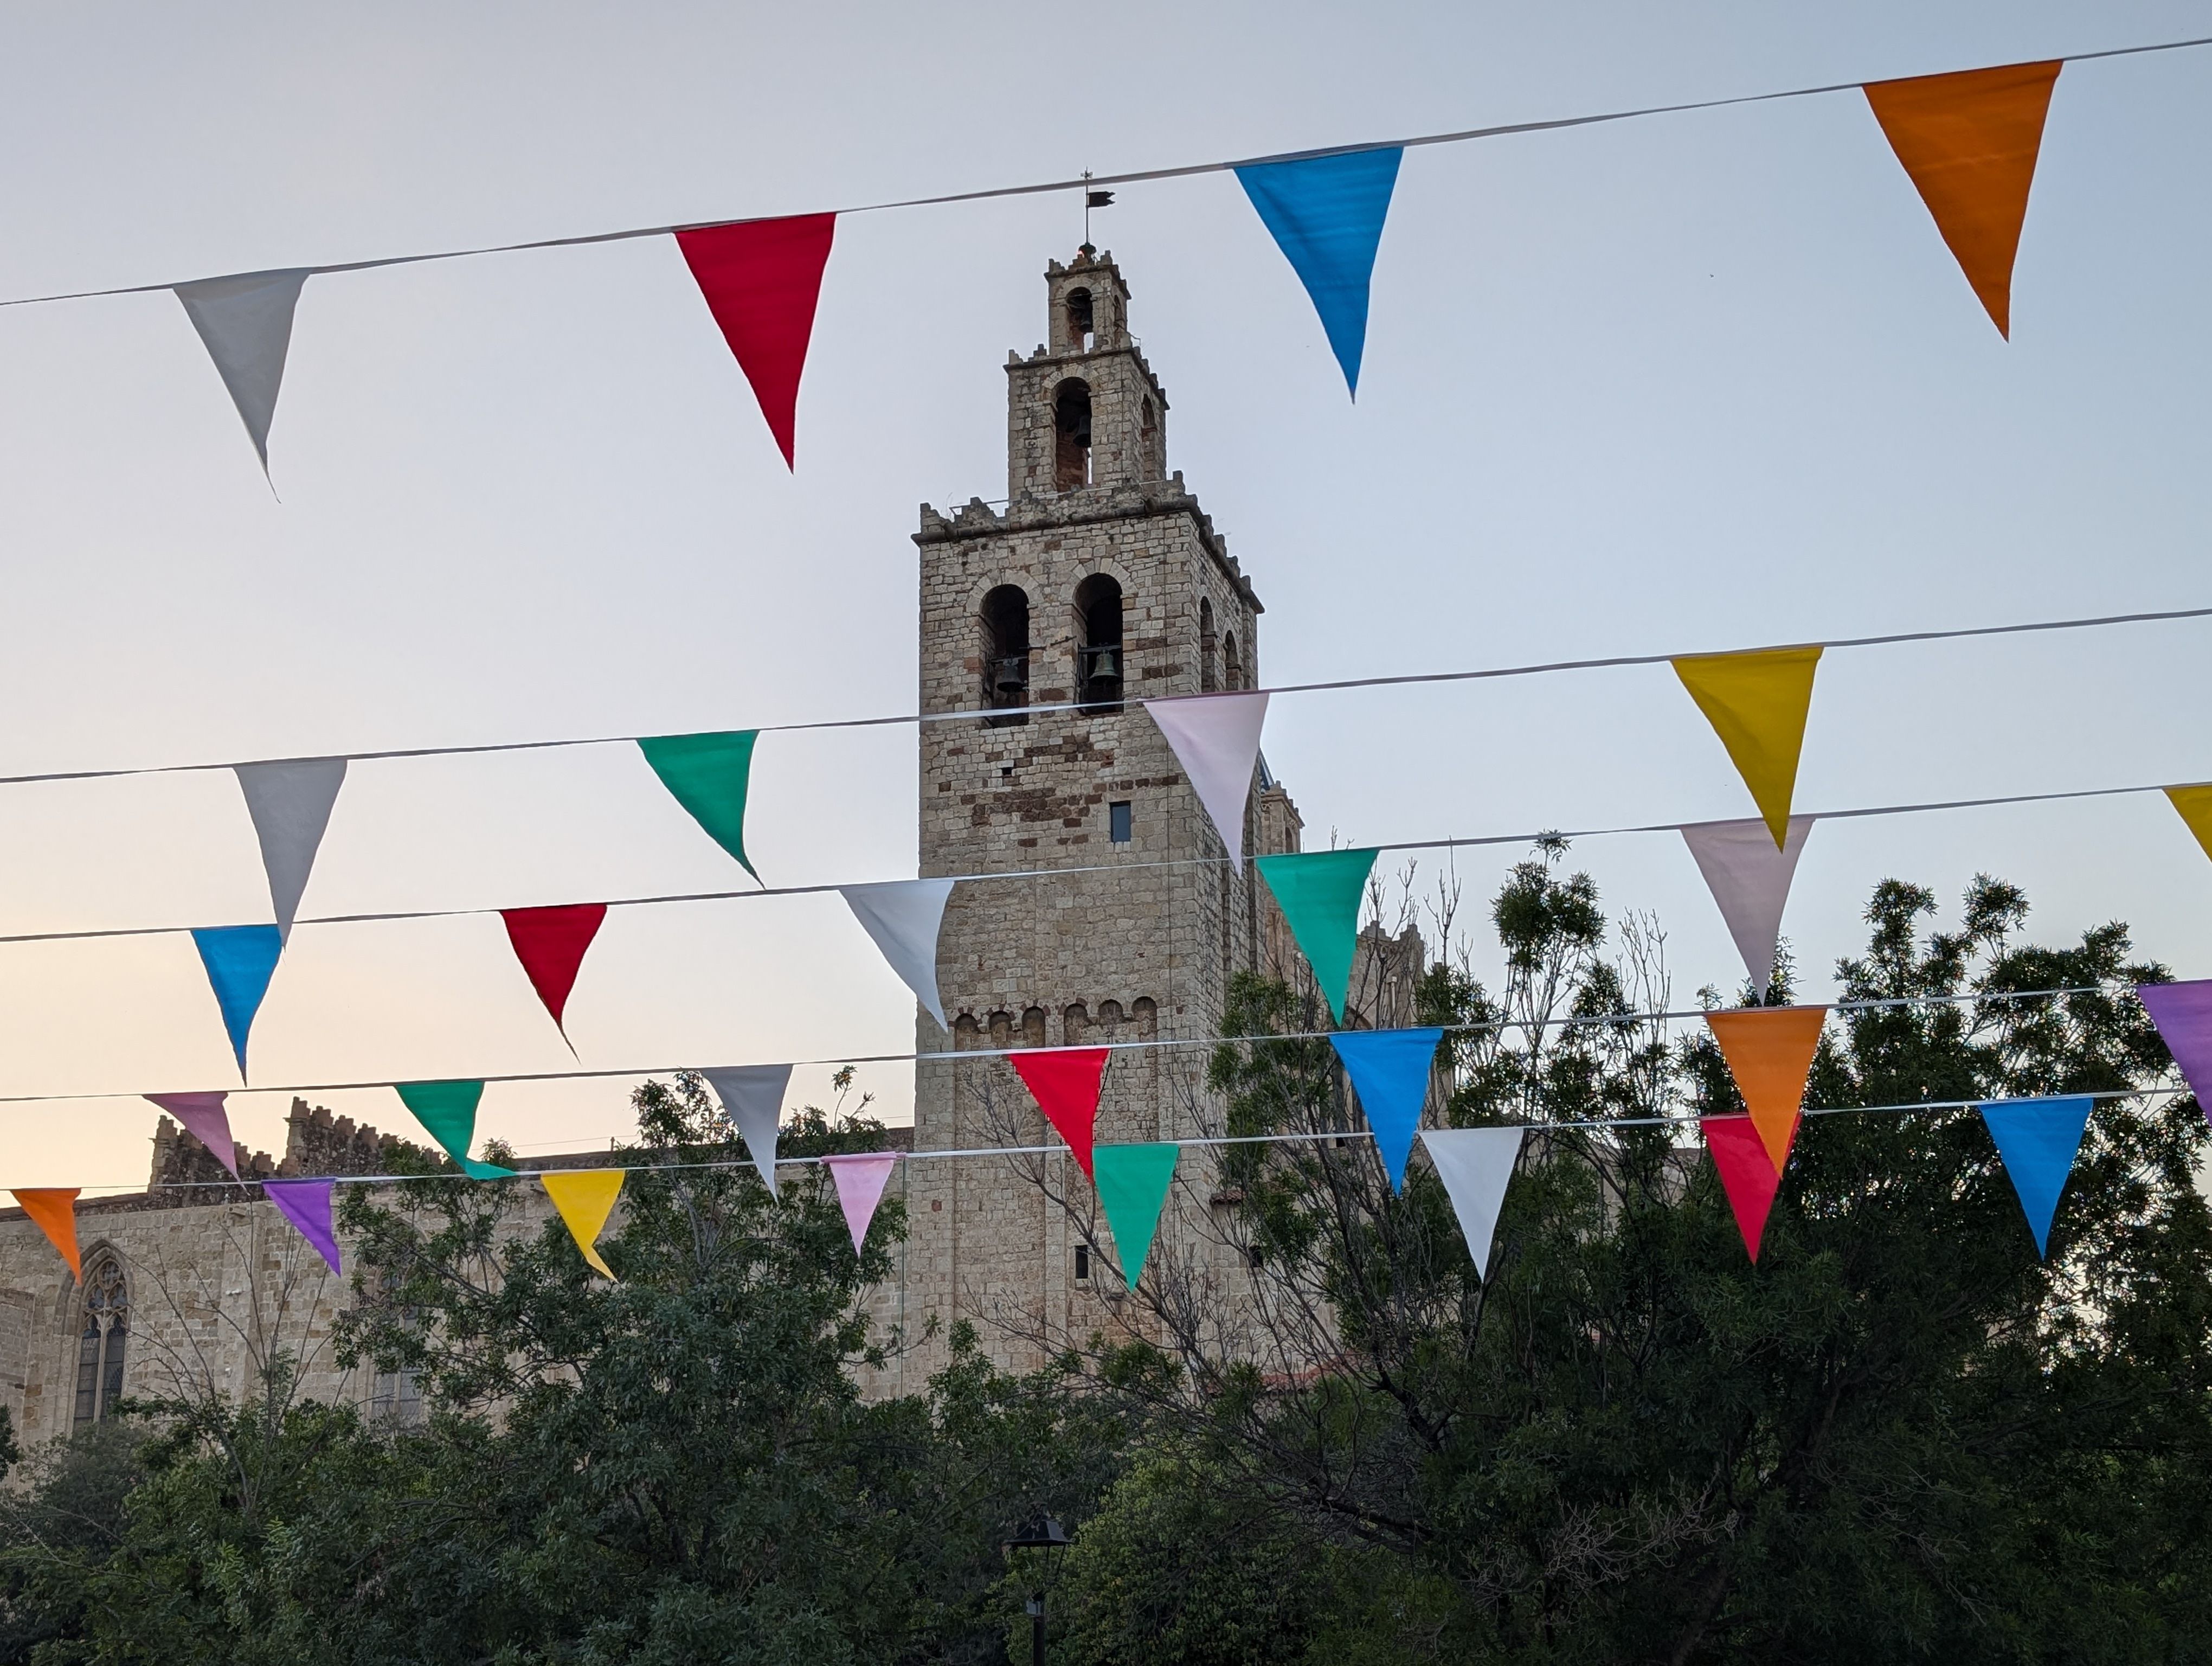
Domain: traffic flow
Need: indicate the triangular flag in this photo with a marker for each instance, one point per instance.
(1769, 1051)
(54, 1207)
(760, 279)
(1319, 892)
(306, 1205)
(2183, 1013)
(860, 1178)
(1327, 214)
(1217, 740)
(1748, 1178)
(1133, 1183)
(1390, 1071)
(2195, 804)
(447, 1111)
(585, 1197)
(1749, 878)
(1969, 141)
(1474, 1164)
(709, 775)
(2039, 1139)
(904, 917)
(204, 1113)
(291, 803)
(1757, 703)
(239, 962)
(550, 943)
(245, 324)
(752, 1098)
(1066, 1081)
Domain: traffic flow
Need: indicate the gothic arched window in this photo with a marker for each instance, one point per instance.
(1098, 669)
(101, 1343)
(1209, 676)
(1232, 665)
(1005, 621)
(1071, 436)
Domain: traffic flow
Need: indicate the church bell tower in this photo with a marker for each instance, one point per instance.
(1045, 622)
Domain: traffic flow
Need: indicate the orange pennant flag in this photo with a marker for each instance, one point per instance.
(1769, 1051)
(54, 1208)
(1969, 142)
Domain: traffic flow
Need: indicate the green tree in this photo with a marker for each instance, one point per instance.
(1900, 1436)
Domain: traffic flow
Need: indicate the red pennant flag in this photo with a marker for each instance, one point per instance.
(1746, 1176)
(762, 278)
(54, 1208)
(1065, 1081)
(1769, 1051)
(550, 943)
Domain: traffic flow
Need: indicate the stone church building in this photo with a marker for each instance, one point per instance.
(1045, 619)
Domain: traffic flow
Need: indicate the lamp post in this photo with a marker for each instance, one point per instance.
(1046, 1535)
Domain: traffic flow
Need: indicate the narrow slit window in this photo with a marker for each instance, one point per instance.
(1118, 823)
(1082, 1263)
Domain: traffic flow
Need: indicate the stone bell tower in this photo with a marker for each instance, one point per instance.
(1098, 583)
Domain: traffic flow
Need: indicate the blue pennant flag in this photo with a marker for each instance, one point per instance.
(1390, 1071)
(2037, 1140)
(1327, 213)
(239, 960)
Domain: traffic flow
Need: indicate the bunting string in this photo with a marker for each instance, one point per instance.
(1467, 842)
(1086, 183)
(1402, 679)
(962, 1056)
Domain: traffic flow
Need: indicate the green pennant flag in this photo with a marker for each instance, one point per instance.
(1319, 893)
(448, 1111)
(1132, 1184)
(709, 775)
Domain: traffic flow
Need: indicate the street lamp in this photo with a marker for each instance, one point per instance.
(1044, 1534)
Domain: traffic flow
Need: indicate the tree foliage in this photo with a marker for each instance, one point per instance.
(1901, 1435)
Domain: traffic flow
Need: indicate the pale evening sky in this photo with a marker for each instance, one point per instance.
(1694, 381)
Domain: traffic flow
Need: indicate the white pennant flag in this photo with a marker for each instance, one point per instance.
(1474, 1164)
(903, 917)
(752, 1098)
(291, 803)
(1750, 880)
(245, 322)
(1217, 741)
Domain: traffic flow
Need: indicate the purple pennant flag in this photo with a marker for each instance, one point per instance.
(204, 1115)
(306, 1205)
(2183, 1013)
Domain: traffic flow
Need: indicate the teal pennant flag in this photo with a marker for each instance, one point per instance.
(709, 775)
(1320, 892)
(448, 1111)
(1133, 1183)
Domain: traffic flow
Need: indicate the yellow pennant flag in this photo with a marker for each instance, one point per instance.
(1769, 1051)
(1757, 704)
(1969, 141)
(585, 1197)
(2195, 804)
(54, 1208)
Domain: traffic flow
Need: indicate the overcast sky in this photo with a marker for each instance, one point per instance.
(1695, 382)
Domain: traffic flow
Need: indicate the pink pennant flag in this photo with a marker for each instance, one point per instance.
(1216, 738)
(209, 1123)
(860, 1178)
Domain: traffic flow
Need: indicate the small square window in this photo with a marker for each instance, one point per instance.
(1117, 822)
